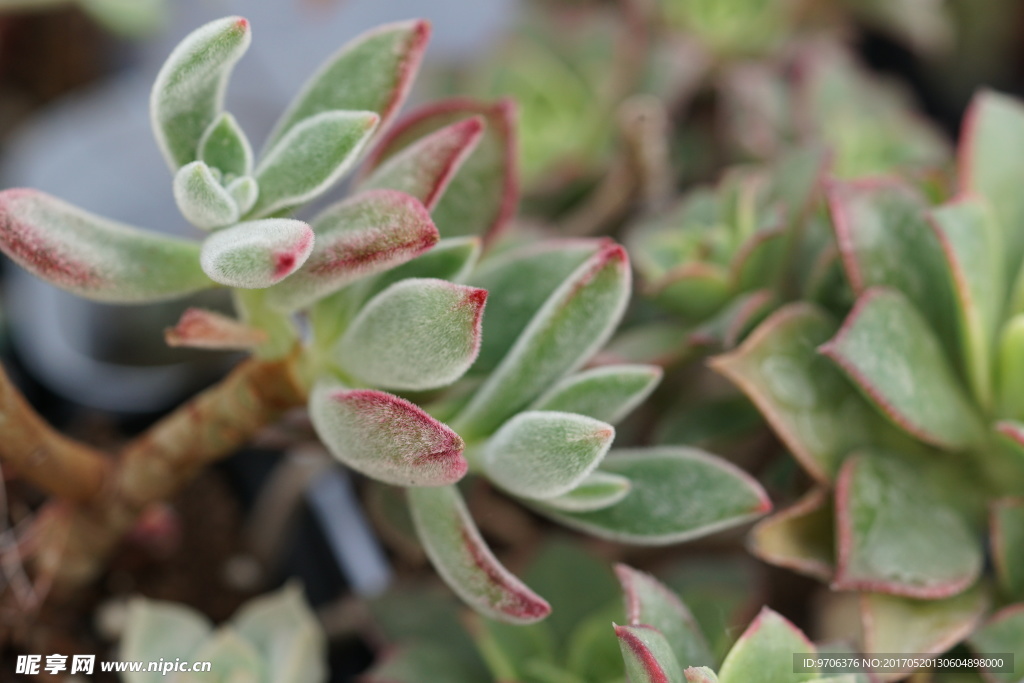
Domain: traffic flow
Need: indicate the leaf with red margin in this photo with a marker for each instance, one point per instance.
(386, 437)
(885, 240)
(93, 257)
(695, 290)
(425, 168)
(764, 653)
(891, 355)
(925, 627)
(188, 93)
(800, 538)
(199, 328)
(417, 334)
(718, 496)
(256, 254)
(897, 534)
(700, 675)
(464, 561)
(649, 602)
(483, 196)
(372, 72)
(972, 246)
(991, 162)
(1000, 635)
(807, 401)
(647, 655)
(362, 235)
(734, 323)
(1007, 537)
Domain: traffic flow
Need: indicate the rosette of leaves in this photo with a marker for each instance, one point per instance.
(274, 637)
(907, 415)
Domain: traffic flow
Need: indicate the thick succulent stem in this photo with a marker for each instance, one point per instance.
(73, 541)
(37, 453)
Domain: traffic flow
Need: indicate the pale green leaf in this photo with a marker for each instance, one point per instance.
(157, 630)
(1007, 539)
(1010, 371)
(606, 393)
(225, 147)
(597, 490)
(244, 190)
(647, 655)
(800, 538)
(256, 254)
(1003, 634)
(231, 656)
(701, 674)
(764, 653)
(201, 198)
(283, 627)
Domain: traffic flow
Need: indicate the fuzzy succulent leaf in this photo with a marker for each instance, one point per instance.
(897, 535)
(1002, 634)
(648, 655)
(573, 323)
(719, 496)
(800, 538)
(483, 195)
(598, 490)
(1007, 538)
(245, 191)
(256, 254)
(188, 93)
(155, 629)
(606, 393)
(282, 625)
(700, 674)
(464, 561)
(544, 454)
(373, 72)
(912, 382)
(450, 259)
(417, 334)
(386, 437)
(357, 237)
(202, 329)
(230, 654)
(310, 158)
(202, 200)
(93, 257)
(649, 602)
(425, 168)
(225, 147)
(764, 653)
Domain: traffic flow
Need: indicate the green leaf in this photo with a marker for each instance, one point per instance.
(1007, 537)
(593, 652)
(282, 625)
(800, 537)
(700, 675)
(232, 656)
(310, 158)
(416, 334)
(512, 650)
(93, 257)
(386, 437)
(372, 73)
(972, 246)
(897, 535)
(201, 199)
(695, 291)
(597, 490)
(649, 602)
(188, 93)
(607, 393)
(256, 254)
(425, 168)
(244, 191)
(451, 259)
(648, 656)
(416, 662)
(464, 561)
(897, 624)
(764, 653)
(542, 454)
(357, 237)
(156, 630)
(1002, 634)
(482, 197)
(1010, 371)
(718, 496)
(225, 147)
(911, 382)
(573, 323)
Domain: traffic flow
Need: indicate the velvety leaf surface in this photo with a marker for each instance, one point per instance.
(648, 656)
(700, 675)
(483, 195)
(244, 191)
(310, 158)
(544, 454)
(283, 628)
(256, 254)
(225, 147)
(607, 393)
(1002, 634)
(386, 437)
(597, 490)
(359, 236)
(416, 334)
(912, 382)
(199, 328)
(764, 653)
(897, 535)
(155, 629)
(450, 259)
(93, 257)
(718, 496)
(1007, 529)
(189, 90)
(464, 561)
(201, 199)
(649, 602)
(800, 537)
(573, 323)
(425, 168)
(372, 72)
